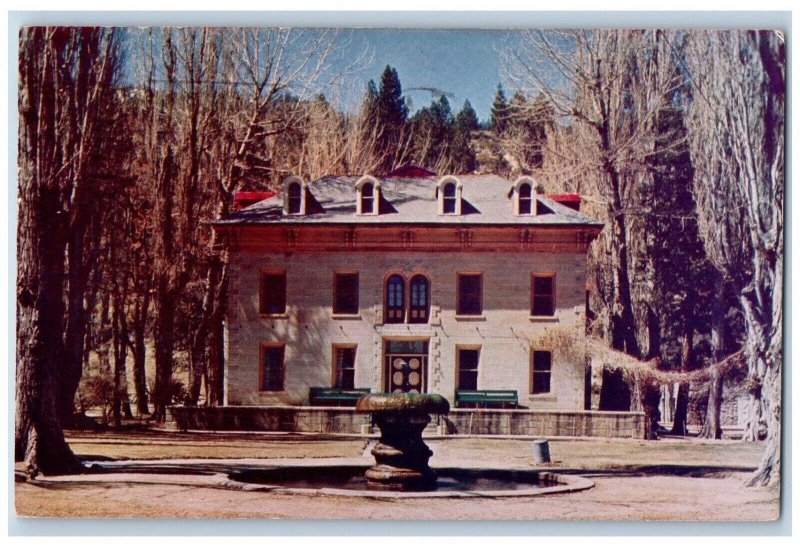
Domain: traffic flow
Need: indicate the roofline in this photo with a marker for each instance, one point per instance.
(593, 224)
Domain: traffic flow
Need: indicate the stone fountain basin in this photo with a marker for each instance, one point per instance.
(347, 480)
(427, 403)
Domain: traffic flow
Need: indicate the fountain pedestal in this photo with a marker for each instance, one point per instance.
(401, 457)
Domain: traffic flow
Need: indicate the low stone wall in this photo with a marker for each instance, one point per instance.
(304, 419)
(301, 419)
(546, 423)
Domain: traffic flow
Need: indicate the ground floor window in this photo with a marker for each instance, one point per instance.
(468, 368)
(272, 369)
(541, 370)
(344, 367)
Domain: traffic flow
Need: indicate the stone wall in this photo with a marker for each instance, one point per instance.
(505, 333)
(457, 422)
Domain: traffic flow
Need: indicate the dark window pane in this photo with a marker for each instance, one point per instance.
(449, 198)
(345, 368)
(419, 299)
(542, 301)
(469, 295)
(395, 299)
(294, 198)
(272, 371)
(542, 362)
(273, 293)
(345, 298)
(367, 199)
(468, 379)
(468, 368)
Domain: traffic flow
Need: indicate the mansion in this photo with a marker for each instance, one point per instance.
(411, 282)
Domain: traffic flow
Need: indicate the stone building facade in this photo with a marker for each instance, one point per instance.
(405, 283)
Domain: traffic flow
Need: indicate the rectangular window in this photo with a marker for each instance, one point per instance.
(543, 295)
(273, 293)
(344, 367)
(345, 293)
(468, 368)
(541, 369)
(470, 298)
(272, 368)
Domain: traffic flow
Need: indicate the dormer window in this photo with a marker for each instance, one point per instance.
(449, 198)
(524, 194)
(524, 197)
(368, 196)
(367, 199)
(449, 193)
(294, 196)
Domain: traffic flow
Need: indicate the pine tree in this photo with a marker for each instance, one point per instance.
(467, 119)
(499, 119)
(392, 114)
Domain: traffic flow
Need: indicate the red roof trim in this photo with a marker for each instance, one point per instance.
(561, 198)
(242, 196)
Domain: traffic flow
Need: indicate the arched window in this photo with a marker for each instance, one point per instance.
(449, 198)
(419, 299)
(368, 195)
(294, 196)
(395, 299)
(524, 197)
(367, 199)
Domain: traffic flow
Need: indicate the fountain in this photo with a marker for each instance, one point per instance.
(401, 457)
(401, 467)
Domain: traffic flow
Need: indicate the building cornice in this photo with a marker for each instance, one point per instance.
(408, 238)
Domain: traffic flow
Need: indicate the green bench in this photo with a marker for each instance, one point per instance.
(332, 396)
(487, 397)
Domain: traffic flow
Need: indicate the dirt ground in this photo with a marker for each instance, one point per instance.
(634, 480)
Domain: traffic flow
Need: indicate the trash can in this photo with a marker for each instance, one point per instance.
(541, 451)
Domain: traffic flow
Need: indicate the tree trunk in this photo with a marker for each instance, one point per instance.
(681, 410)
(139, 351)
(38, 437)
(164, 335)
(682, 401)
(712, 428)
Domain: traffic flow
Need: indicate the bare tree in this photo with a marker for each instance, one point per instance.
(66, 77)
(737, 142)
(611, 85)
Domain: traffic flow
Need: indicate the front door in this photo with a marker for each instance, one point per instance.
(406, 363)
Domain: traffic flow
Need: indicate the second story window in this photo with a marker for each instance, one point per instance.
(367, 199)
(345, 293)
(272, 297)
(543, 295)
(470, 294)
(419, 300)
(294, 198)
(395, 299)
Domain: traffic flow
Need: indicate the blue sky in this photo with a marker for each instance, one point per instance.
(463, 62)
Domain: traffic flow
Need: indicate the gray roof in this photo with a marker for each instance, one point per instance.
(486, 200)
